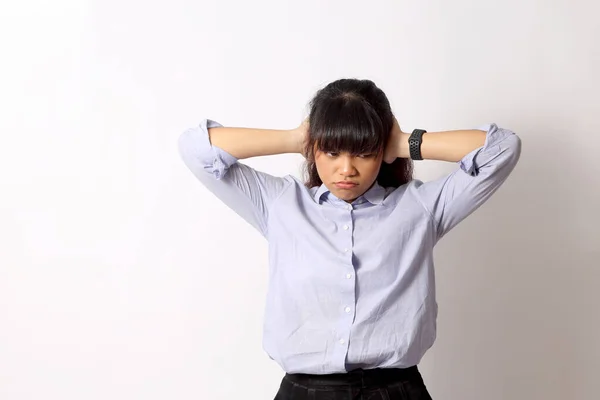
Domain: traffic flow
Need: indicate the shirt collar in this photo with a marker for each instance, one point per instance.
(374, 195)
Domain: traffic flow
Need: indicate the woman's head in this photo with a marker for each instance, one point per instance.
(350, 122)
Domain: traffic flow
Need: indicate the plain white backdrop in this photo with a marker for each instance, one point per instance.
(121, 277)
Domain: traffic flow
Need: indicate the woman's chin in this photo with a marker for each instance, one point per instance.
(346, 194)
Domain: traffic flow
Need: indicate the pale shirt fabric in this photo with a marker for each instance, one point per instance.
(350, 285)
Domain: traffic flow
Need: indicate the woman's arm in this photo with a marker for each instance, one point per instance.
(247, 191)
(488, 161)
(249, 142)
(446, 145)
(442, 146)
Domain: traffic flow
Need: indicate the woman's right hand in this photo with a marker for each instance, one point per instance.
(301, 136)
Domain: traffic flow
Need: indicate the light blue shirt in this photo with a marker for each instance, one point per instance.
(350, 285)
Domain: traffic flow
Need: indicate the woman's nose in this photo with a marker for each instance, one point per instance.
(347, 167)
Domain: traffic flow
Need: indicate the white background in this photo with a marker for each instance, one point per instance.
(121, 277)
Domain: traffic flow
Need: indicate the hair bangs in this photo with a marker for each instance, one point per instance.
(351, 126)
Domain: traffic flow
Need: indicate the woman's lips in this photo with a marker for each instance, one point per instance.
(345, 185)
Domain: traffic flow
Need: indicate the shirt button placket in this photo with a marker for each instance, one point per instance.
(348, 296)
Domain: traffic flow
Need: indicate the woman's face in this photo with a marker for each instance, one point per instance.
(358, 172)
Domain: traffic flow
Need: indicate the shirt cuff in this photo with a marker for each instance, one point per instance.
(221, 160)
(471, 163)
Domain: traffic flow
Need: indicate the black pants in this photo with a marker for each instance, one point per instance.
(359, 384)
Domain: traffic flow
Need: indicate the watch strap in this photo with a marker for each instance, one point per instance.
(414, 144)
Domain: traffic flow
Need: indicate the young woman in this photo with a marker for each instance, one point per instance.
(351, 306)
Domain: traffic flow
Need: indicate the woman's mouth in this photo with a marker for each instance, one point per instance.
(345, 185)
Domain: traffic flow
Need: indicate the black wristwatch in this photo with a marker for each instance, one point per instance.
(414, 143)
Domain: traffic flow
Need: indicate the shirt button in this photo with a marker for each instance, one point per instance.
(347, 309)
(345, 250)
(349, 207)
(348, 276)
(346, 227)
(342, 341)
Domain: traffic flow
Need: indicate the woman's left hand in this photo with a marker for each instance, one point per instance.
(392, 150)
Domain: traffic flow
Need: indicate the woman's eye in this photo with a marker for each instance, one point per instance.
(366, 155)
(331, 154)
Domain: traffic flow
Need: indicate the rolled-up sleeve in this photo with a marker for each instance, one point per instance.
(452, 198)
(246, 191)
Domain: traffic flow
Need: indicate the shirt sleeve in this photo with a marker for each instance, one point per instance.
(245, 190)
(452, 198)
